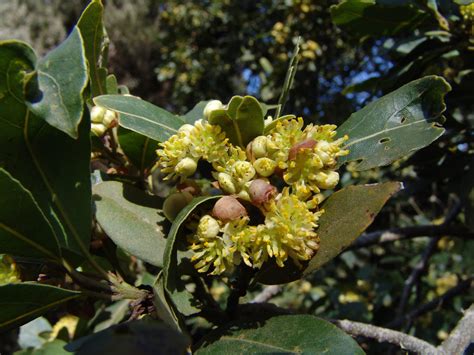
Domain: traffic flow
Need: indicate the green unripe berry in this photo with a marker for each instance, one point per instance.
(174, 203)
(97, 114)
(186, 167)
(226, 183)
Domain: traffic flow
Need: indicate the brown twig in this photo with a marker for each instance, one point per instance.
(380, 334)
(461, 336)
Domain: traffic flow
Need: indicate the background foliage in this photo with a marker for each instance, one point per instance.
(177, 53)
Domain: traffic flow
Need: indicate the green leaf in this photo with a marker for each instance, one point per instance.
(396, 125)
(286, 334)
(140, 149)
(54, 167)
(61, 79)
(374, 18)
(32, 238)
(195, 114)
(136, 337)
(132, 219)
(273, 124)
(164, 308)
(92, 30)
(55, 347)
(347, 213)
(170, 264)
(242, 121)
(23, 302)
(141, 116)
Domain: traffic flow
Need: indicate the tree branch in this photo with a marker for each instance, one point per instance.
(435, 303)
(461, 336)
(403, 340)
(266, 294)
(394, 234)
(416, 273)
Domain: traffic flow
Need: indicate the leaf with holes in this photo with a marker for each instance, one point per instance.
(242, 120)
(23, 302)
(61, 77)
(141, 116)
(396, 125)
(49, 163)
(132, 219)
(296, 334)
(35, 238)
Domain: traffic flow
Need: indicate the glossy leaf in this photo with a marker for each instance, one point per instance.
(347, 213)
(23, 302)
(242, 120)
(371, 17)
(140, 149)
(132, 219)
(141, 116)
(286, 334)
(61, 79)
(49, 163)
(92, 30)
(136, 337)
(397, 124)
(35, 238)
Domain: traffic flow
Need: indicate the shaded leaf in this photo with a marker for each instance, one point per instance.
(195, 114)
(55, 347)
(164, 308)
(286, 334)
(141, 116)
(136, 337)
(92, 30)
(61, 78)
(140, 149)
(347, 213)
(131, 218)
(170, 263)
(50, 164)
(370, 17)
(35, 238)
(242, 120)
(395, 125)
(115, 313)
(23, 302)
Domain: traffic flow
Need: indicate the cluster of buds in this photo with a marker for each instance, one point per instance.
(467, 12)
(8, 271)
(102, 119)
(301, 161)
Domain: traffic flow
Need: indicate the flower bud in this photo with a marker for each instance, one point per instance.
(261, 191)
(174, 203)
(258, 147)
(265, 166)
(208, 227)
(98, 129)
(186, 167)
(243, 171)
(228, 208)
(110, 119)
(186, 128)
(211, 106)
(306, 144)
(226, 183)
(97, 114)
(327, 180)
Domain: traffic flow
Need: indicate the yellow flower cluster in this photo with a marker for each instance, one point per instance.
(303, 159)
(8, 271)
(288, 231)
